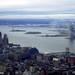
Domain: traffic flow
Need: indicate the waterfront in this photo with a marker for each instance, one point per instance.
(43, 44)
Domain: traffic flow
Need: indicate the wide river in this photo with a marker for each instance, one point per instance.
(43, 44)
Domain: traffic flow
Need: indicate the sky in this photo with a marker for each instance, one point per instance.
(44, 9)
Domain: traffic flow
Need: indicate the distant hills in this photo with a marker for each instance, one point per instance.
(49, 22)
(23, 21)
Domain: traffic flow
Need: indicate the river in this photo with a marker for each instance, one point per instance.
(43, 44)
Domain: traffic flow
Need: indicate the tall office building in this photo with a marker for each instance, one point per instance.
(5, 39)
(0, 38)
(71, 31)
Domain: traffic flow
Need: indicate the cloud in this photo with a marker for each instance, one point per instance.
(37, 8)
(52, 16)
(37, 5)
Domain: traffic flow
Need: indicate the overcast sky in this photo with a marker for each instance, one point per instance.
(37, 9)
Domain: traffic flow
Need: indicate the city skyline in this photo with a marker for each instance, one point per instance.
(37, 9)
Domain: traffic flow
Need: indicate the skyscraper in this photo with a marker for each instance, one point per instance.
(5, 39)
(0, 38)
(71, 31)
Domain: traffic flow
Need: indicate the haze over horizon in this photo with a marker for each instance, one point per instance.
(43, 9)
